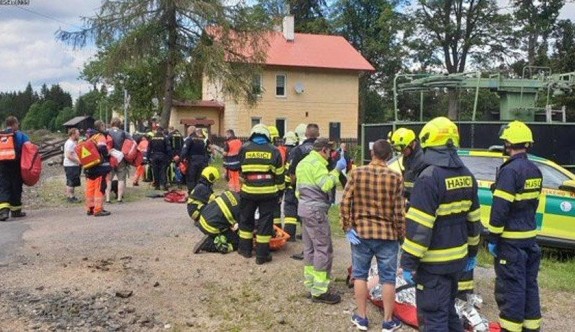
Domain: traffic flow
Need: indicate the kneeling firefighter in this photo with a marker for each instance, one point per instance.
(203, 193)
(219, 223)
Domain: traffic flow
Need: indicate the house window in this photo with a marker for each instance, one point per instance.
(257, 87)
(280, 85)
(281, 126)
(256, 121)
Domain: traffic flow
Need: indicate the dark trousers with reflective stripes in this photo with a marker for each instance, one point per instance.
(435, 298)
(10, 185)
(465, 285)
(196, 165)
(290, 212)
(516, 288)
(248, 207)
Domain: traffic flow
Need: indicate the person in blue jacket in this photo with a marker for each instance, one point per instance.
(512, 230)
(443, 228)
(11, 141)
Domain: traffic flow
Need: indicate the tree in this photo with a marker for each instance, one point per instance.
(309, 15)
(537, 20)
(373, 28)
(457, 31)
(63, 116)
(180, 33)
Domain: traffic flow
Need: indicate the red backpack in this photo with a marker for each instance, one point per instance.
(130, 150)
(30, 164)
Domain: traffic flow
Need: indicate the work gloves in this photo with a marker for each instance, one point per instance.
(471, 263)
(341, 164)
(408, 277)
(492, 247)
(352, 237)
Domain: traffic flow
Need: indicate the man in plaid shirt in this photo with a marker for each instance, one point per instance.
(373, 217)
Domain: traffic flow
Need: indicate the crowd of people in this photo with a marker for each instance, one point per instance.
(423, 221)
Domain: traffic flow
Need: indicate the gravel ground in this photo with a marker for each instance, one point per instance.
(134, 271)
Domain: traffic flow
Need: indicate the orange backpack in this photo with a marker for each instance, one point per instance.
(7, 147)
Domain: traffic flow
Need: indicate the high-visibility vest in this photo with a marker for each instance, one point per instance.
(232, 160)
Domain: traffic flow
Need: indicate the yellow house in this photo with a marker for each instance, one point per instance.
(306, 79)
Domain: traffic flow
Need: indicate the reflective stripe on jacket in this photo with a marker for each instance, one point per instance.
(515, 200)
(443, 221)
(264, 160)
(314, 181)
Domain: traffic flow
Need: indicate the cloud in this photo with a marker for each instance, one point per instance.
(29, 51)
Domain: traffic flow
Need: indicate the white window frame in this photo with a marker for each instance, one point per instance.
(285, 124)
(285, 85)
(255, 118)
(261, 84)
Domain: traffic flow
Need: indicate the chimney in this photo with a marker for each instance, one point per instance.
(288, 28)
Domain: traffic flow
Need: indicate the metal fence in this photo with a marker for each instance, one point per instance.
(554, 141)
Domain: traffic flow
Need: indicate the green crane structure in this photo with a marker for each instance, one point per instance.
(518, 96)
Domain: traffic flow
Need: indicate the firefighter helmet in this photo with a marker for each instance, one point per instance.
(274, 133)
(439, 132)
(260, 129)
(211, 174)
(516, 132)
(300, 131)
(290, 138)
(401, 138)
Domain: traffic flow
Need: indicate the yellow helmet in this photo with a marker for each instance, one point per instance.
(401, 138)
(439, 132)
(300, 131)
(211, 174)
(260, 129)
(290, 138)
(274, 133)
(516, 132)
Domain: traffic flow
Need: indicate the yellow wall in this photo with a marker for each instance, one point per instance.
(328, 96)
(180, 112)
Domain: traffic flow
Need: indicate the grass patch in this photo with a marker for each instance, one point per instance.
(556, 270)
(333, 216)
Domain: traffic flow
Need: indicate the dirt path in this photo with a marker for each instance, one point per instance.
(135, 271)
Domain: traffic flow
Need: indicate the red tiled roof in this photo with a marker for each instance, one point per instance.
(315, 51)
(199, 103)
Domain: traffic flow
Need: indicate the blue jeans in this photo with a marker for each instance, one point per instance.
(385, 252)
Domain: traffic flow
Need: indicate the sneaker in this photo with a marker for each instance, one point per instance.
(327, 298)
(391, 325)
(90, 212)
(200, 245)
(102, 213)
(360, 322)
(135, 184)
(18, 214)
(120, 201)
(263, 260)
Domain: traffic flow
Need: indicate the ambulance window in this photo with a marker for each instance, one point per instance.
(483, 168)
(552, 178)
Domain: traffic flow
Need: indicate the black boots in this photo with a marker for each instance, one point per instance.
(245, 247)
(4, 214)
(18, 214)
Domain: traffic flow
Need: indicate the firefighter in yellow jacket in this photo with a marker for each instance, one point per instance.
(262, 171)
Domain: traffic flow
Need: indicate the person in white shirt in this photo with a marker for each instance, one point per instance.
(72, 164)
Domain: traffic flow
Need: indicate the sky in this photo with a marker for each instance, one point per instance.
(29, 51)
